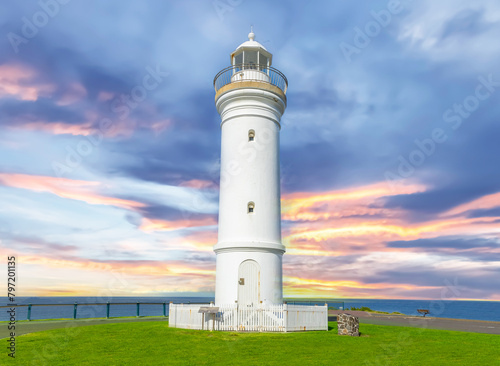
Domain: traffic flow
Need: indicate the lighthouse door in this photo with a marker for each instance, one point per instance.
(248, 283)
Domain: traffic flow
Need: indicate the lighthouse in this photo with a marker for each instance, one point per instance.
(250, 98)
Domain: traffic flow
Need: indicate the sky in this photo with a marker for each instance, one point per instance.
(390, 145)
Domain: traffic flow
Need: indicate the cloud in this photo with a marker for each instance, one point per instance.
(466, 283)
(493, 212)
(66, 188)
(164, 225)
(295, 286)
(16, 82)
(352, 201)
(447, 242)
(467, 23)
(32, 244)
(450, 27)
(490, 201)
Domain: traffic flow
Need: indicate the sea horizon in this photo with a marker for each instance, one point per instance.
(284, 298)
(486, 310)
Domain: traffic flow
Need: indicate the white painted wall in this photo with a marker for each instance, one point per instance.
(271, 275)
(249, 173)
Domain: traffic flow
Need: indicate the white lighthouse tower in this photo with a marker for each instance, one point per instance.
(250, 98)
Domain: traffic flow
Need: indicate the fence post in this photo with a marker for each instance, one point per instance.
(74, 310)
(107, 310)
(326, 305)
(164, 309)
(29, 311)
(235, 316)
(138, 309)
(285, 316)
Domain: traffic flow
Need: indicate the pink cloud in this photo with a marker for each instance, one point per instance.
(67, 188)
(167, 268)
(198, 184)
(485, 202)
(295, 286)
(354, 201)
(60, 128)
(17, 81)
(354, 220)
(150, 225)
(159, 126)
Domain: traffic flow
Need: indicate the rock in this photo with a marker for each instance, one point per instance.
(348, 325)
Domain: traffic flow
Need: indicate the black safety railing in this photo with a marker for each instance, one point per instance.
(251, 72)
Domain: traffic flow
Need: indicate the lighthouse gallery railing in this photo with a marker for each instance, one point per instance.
(250, 72)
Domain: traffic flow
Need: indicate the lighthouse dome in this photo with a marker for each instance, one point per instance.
(251, 43)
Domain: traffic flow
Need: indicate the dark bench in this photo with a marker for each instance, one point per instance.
(423, 311)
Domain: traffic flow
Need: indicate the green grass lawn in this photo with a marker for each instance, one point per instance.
(153, 343)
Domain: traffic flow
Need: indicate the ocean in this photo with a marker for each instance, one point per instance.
(477, 310)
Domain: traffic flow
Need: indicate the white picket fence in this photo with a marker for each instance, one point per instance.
(300, 317)
(264, 318)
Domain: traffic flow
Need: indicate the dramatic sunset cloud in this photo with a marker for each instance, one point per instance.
(66, 188)
(340, 203)
(163, 225)
(486, 202)
(311, 287)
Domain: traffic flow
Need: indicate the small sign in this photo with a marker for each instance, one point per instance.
(208, 310)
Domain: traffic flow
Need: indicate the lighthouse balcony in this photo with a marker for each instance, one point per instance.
(237, 75)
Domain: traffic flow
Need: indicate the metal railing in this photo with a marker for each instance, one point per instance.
(336, 305)
(108, 307)
(250, 72)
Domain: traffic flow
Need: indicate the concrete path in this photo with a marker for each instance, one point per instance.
(25, 327)
(476, 326)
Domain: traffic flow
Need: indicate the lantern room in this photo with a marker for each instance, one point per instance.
(251, 55)
(250, 62)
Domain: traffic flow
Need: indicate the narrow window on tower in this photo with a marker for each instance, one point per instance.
(251, 135)
(251, 207)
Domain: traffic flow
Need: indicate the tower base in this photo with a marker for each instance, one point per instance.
(248, 276)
